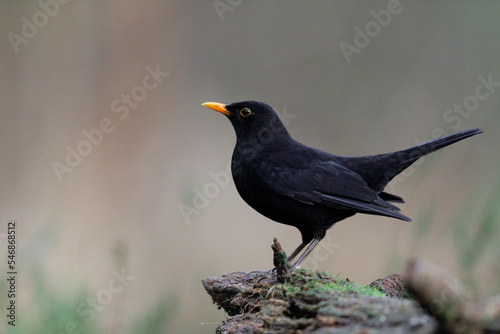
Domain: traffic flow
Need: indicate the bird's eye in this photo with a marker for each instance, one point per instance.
(245, 112)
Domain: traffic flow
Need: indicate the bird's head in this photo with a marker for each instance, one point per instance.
(252, 120)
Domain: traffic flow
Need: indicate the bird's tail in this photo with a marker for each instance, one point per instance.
(379, 169)
(408, 156)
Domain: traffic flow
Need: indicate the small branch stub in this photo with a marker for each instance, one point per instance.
(280, 260)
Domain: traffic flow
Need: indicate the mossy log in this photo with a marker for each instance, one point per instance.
(317, 302)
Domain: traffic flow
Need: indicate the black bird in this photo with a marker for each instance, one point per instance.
(298, 185)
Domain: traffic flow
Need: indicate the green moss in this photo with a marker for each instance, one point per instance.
(351, 287)
(307, 281)
(345, 287)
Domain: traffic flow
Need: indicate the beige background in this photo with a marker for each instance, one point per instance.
(123, 197)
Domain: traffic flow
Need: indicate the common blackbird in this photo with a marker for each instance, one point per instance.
(298, 185)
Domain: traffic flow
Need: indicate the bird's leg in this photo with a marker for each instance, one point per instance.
(308, 250)
(297, 251)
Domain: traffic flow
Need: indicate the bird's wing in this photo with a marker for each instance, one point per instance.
(325, 183)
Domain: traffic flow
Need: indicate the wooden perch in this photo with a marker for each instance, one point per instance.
(316, 302)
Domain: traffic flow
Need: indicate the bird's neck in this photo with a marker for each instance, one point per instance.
(267, 139)
(255, 149)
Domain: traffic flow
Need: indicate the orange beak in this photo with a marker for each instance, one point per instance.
(217, 107)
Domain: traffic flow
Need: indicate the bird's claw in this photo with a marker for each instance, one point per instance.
(264, 273)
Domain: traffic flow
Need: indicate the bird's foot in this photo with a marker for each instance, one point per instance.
(259, 275)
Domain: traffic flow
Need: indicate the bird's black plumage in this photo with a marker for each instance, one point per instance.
(298, 185)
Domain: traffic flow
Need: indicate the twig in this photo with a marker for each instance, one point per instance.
(280, 261)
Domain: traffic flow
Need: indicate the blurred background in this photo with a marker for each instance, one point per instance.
(116, 175)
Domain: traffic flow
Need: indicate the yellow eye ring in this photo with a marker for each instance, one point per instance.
(245, 112)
